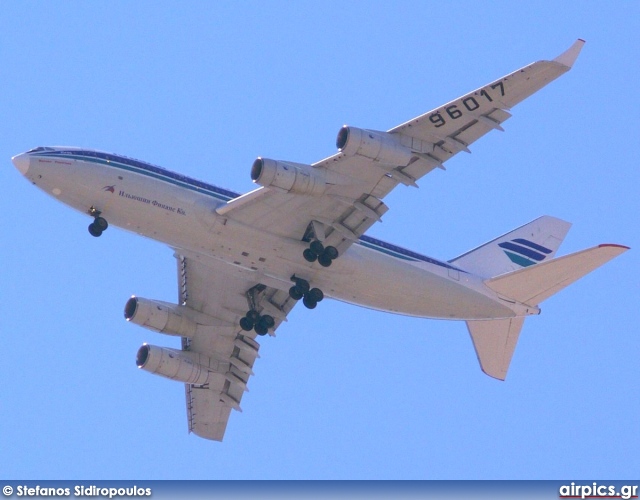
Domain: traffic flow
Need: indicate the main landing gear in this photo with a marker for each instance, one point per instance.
(262, 323)
(254, 321)
(99, 224)
(302, 290)
(317, 251)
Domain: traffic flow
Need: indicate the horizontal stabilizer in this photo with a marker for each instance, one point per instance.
(494, 342)
(532, 285)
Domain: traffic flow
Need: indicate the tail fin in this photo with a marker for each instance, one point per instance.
(530, 244)
(495, 340)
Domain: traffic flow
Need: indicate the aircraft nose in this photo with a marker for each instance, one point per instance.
(22, 162)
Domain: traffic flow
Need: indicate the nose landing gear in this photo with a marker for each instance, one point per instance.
(99, 224)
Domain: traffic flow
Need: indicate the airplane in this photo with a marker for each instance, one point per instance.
(244, 261)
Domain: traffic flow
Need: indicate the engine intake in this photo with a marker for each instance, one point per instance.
(292, 177)
(162, 317)
(378, 146)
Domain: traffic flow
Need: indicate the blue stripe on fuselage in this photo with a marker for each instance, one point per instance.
(401, 253)
(144, 168)
(153, 171)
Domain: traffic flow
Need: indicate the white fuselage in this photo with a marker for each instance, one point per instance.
(181, 212)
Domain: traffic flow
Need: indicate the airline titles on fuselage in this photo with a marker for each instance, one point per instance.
(154, 203)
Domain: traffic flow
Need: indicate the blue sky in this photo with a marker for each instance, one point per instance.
(341, 392)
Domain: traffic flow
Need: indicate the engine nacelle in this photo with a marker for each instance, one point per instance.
(378, 146)
(292, 177)
(161, 317)
(182, 366)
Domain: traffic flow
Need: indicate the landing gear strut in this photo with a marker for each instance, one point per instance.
(99, 224)
(302, 290)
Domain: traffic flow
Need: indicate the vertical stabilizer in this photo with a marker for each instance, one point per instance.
(526, 246)
(494, 342)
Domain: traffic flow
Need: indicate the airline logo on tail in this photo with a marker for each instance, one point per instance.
(523, 252)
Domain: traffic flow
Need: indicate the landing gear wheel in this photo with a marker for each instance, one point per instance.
(316, 247)
(295, 292)
(101, 223)
(94, 230)
(268, 321)
(331, 252)
(315, 295)
(308, 302)
(324, 260)
(309, 255)
(302, 285)
(263, 324)
(246, 323)
(261, 329)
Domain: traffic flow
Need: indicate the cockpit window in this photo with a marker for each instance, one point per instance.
(40, 148)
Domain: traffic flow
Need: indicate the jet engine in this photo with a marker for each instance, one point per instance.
(161, 317)
(378, 146)
(291, 177)
(182, 366)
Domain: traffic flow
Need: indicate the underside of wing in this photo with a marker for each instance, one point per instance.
(343, 194)
(218, 291)
(216, 303)
(455, 125)
(207, 415)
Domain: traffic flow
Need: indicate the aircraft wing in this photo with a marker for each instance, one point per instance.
(221, 291)
(359, 177)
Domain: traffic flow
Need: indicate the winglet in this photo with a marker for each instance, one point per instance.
(568, 57)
